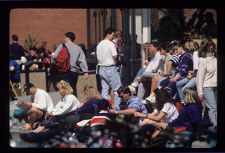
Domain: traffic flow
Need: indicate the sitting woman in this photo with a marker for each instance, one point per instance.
(94, 104)
(190, 117)
(67, 103)
(92, 101)
(165, 110)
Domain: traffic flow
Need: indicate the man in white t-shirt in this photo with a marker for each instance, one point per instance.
(40, 103)
(106, 55)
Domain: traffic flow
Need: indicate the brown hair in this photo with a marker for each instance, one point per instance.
(205, 46)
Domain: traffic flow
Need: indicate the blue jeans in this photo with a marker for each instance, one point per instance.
(185, 83)
(210, 94)
(110, 79)
(139, 74)
(164, 81)
(180, 84)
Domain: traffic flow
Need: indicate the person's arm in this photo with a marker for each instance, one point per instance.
(169, 68)
(82, 61)
(123, 112)
(113, 51)
(157, 118)
(56, 52)
(178, 75)
(11, 66)
(201, 77)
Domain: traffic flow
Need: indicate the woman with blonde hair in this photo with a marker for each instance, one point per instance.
(89, 92)
(190, 117)
(67, 104)
(94, 103)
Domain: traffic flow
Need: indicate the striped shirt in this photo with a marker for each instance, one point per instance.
(175, 59)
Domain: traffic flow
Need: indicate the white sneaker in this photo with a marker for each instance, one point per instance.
(132, 89)
(144, 101)
(134, 84)
(151, 98)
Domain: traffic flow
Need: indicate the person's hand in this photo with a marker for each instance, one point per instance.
(201, 97)
(146, 62)
(48, 114)
(190, 74)
(112, 111)
(29, 104)
(85, 76)
(172, 80)
(138, 114)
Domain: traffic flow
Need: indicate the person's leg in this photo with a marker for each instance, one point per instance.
(73, 82)
(115, 84)
(190, 84)
(171, 88)
(154, 84)
(141, 90)
(211, 103)
(34, 115)
(104, 83)
(139, 74)
(179, 85)
(39, 129)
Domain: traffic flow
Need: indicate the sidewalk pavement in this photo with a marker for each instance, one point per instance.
(15, 130)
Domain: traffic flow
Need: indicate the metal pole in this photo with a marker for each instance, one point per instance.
(133, 42)
(88, 30)
(113, 12)
(99, 28)
(95, 20)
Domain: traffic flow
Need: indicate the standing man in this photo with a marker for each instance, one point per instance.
(106, 55)
(15, 49)
(77, 61)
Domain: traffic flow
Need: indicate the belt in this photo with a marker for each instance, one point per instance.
(106, 66)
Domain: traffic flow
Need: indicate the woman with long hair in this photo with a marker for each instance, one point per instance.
(165, 109)
(67, 104)
(207, 77)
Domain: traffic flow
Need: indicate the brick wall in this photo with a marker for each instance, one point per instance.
(48, 24)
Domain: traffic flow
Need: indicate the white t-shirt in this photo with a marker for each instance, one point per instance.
(105, 52)
(66, 105)
(42, 100)
(171, 112)
(195, 60)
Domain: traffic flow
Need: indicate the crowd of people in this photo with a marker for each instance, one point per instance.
(176, 89)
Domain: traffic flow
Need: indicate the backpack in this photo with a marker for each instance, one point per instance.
(63, 59)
